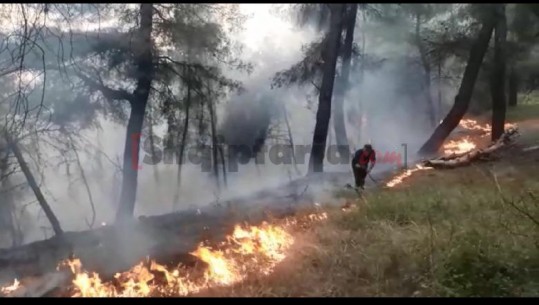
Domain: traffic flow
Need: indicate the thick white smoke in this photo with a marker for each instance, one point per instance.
(272, 44)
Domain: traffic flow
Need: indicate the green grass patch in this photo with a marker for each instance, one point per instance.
(523, 112)
(452, 237)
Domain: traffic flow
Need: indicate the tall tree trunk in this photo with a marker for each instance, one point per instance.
(181, 146)
(362, 113)
(498, 74)
(427, 70)
(513, 87)
(7, 204)
(214, 150)
(290, 139)
(223, 164)
(35, 187)
(152, 142)
(172, 127)
(130, 165)
(316, 161)
(439, 116)
(462, 100)
(90, 224)
(144, 64)
(343, 83)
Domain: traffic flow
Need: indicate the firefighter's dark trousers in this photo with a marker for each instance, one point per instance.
(359, 175)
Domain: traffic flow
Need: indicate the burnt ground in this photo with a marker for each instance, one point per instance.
(170, 237)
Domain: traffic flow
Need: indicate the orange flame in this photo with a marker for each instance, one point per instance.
(459, 147)
(401, 177)
(9, 289)
(473, 125)
(247, 250)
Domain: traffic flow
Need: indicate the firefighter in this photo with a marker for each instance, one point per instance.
(362, 164)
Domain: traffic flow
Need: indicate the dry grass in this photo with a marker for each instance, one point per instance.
(453, 236)
(448, 233)
(471, 231)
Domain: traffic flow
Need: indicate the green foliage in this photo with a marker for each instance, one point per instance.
(449, 233)
(475, 267)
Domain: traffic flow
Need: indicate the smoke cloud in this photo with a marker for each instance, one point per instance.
(384, 95)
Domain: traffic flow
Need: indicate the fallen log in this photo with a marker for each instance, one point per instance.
(168, 239)
(465, 159)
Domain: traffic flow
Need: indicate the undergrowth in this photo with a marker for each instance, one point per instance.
(467, 232)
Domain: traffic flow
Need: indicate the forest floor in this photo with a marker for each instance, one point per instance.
(470, 231)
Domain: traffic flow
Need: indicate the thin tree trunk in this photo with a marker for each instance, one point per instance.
(462, 100)
(290, 139)
(343, 83)
(130, 166)
(172, 129)
(362, 114)
(84, 180)
(152, 143)
(513, 87)
(329, 141)
(214, 143)
(316, 161)
(136, 119)
(498, 74)
(7, 206)
(427, 70)
(183, 143)
(35, 188)
(223, 164)
(438, 118)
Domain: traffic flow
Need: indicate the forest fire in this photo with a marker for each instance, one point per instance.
(459, 147)
(251, 250)
(485, 129)
(452, 147)
(466, 144)
(257, 248)
(400, 178)
(8, 289)
(470, 124)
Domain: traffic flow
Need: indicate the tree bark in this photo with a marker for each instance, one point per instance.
(362, 113)
(223, 164)
(462, 100)
(172, 127)
(130, 166)
(152, 144)
(323, 114)
(290, 139)
(439, 112)
(183, 142)
(426, 69)
(7, 204)
(343, 83)
(498, 74)
(136, 119)
(214, 150)
(35, 187)
(513, 87)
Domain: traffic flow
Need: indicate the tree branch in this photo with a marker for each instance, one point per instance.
(111, 94)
